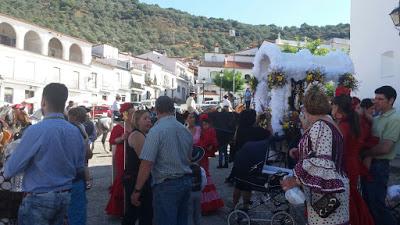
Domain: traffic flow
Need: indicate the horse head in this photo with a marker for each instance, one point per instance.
(7, 115)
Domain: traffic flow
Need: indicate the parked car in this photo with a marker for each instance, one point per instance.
(100, 111)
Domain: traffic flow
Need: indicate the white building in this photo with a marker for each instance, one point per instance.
(215, 63)
(32, 56)
(375, 46)
(178, 77)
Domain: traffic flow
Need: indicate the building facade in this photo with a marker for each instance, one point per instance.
(32, 56)
(215, 63)
(375, 46)
(178, 77)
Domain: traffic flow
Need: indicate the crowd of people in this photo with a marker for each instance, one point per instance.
(346, 140)
(162, 171)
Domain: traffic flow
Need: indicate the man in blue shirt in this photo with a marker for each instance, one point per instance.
(51, 155)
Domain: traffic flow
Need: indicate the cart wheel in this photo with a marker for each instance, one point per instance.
(282, 218)
(238, 217)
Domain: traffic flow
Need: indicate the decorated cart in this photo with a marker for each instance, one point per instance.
(284, 77)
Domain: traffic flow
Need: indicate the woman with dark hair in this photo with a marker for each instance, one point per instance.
(247, 131)
(349, 123)
(210, 200)
(320, 169)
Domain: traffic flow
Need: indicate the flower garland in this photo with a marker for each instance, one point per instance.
(276, 79)
(291, 121)
(315, 75)
(349, 81)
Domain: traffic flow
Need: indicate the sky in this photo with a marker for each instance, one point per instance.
(278, 12)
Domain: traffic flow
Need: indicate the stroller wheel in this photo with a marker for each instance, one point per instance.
(238, 217)
(282, 218)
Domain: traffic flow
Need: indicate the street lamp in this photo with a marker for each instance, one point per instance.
(395, 15)
(221, 74)
(204, 82)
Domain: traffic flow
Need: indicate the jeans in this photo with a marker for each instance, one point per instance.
(170, 201)
(77, 207)
(223, 155)
(247, 104)
(194, 208)
(375, 192)
(44, 209)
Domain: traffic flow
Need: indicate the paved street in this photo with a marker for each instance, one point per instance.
(100, 167)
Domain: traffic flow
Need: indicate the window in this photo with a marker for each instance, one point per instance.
(93, 80)
(8, 95)
(148, 95)
(388, 64)
(104, 97)
(29, 94)
(123, 98)
(183, 92)
(178, 89)
(134, 97)
(214, 74)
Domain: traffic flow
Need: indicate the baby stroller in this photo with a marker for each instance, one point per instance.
(268, 204)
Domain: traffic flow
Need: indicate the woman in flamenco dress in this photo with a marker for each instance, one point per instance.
(349, 123)
(210, 200)
(115, 205)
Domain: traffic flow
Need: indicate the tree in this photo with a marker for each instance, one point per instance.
(226, 82)
(314, 46)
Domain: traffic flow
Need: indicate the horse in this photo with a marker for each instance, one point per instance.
(103, 126)
(14, 119)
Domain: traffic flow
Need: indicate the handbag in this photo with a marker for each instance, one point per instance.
(326, 205)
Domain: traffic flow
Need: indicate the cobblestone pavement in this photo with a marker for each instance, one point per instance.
(100, 168)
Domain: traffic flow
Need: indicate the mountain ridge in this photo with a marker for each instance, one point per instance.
(137, 27)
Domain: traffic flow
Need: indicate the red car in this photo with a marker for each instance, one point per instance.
(100, 111)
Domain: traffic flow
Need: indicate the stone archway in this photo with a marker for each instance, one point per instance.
(32, 42)
(55, 48)
(7, 35)
(75, 53)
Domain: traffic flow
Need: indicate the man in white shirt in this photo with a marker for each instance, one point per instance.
(226, 103)
(191, 103)
(116, 106)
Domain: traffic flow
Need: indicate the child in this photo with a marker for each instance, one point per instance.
(199, 182)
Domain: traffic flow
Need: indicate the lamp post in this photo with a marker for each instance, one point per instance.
(395, 16)
(221, 74)
(204, 82)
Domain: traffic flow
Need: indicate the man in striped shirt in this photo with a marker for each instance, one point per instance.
(166, 154)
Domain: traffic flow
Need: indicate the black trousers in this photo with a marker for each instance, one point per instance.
(143, 213)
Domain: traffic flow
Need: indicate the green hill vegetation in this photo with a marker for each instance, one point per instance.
(137, 27)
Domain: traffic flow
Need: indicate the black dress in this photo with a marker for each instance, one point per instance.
(143, 213)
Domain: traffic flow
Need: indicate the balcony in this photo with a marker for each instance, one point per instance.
(148, 81)
(136, 85)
